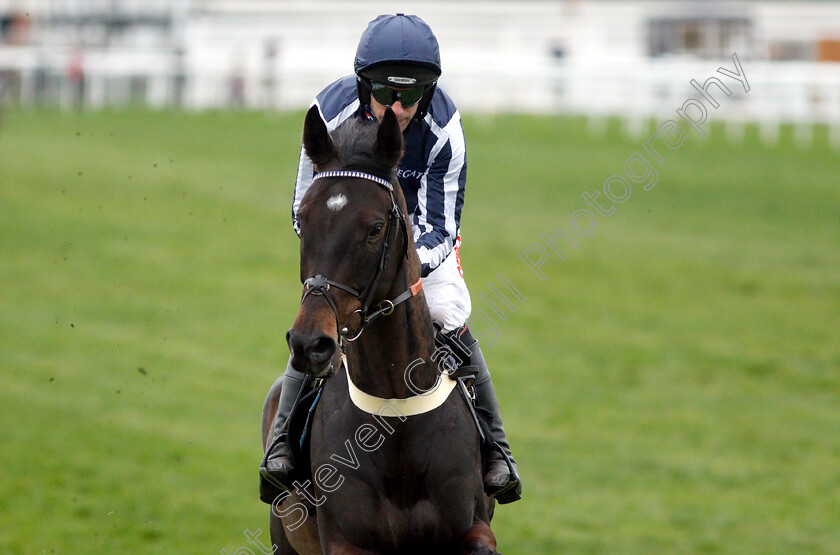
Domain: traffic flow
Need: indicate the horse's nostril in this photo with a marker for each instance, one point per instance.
(321, 349)
(296, 344)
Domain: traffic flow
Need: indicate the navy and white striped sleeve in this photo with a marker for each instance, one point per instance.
(335, 103)
(305, 172)
(441, 194)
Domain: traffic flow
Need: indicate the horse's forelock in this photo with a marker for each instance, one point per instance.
(355, 139)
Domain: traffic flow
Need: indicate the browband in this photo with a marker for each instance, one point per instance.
(361, 175)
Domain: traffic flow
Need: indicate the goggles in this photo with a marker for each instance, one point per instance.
(386, 95)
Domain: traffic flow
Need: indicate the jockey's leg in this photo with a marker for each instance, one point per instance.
(501, 480)
(450, 306)
(277, 468)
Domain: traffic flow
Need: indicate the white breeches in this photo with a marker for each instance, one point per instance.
(447, 294)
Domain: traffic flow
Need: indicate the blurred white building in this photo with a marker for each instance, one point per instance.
(632, 59)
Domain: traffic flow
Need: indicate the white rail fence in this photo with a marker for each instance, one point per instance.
(803, 94)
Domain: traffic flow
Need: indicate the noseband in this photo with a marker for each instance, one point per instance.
(320, 285)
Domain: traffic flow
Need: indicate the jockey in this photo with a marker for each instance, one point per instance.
(398, 64)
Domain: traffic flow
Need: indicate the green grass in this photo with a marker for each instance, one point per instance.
(673, 386)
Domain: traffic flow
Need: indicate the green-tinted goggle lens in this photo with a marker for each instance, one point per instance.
(387, 96)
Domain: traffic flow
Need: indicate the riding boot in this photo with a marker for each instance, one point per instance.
(501, 477)
(277, 465)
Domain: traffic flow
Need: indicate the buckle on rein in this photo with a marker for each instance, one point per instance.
(387, 310)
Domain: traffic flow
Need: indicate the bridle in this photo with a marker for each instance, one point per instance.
(320, 285)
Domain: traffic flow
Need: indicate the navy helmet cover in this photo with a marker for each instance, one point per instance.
(400, 46)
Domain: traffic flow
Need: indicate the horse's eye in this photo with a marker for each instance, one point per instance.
(374, 232)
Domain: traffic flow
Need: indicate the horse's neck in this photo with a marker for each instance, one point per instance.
(383, 361)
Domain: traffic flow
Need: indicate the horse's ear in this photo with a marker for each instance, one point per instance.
(316, 139)
(389, 139)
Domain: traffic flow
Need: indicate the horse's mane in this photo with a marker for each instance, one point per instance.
(354, 140)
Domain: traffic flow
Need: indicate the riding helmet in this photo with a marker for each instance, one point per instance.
(399, 49)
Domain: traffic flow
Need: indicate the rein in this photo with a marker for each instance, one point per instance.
(320, 285)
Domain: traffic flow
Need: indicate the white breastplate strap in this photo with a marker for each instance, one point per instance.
(410, 406)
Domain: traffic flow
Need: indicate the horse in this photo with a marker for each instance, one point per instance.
(395, 451)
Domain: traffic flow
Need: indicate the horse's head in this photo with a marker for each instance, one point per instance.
(353, 237)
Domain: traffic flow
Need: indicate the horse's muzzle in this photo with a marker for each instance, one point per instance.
(315, 355)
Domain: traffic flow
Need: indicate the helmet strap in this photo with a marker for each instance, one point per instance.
(426, 101)
(363, 91)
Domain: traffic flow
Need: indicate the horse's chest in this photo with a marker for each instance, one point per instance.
(399, 509)
(394, 488)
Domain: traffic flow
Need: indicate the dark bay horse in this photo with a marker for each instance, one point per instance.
(395, 454)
